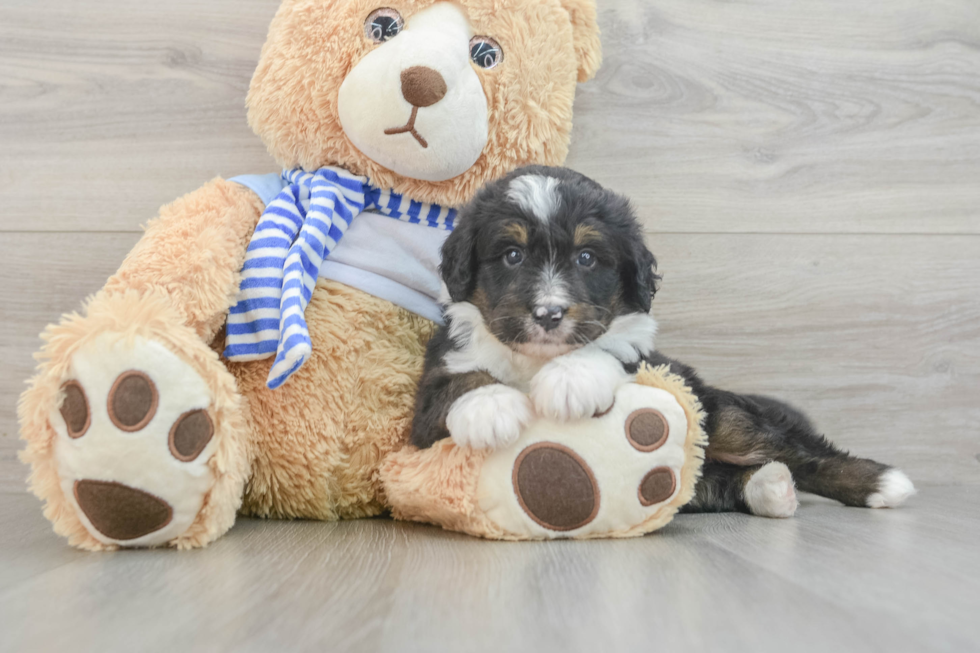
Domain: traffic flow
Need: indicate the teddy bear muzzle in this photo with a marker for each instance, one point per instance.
(414, 103)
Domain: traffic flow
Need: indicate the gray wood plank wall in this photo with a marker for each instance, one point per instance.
(808, 174)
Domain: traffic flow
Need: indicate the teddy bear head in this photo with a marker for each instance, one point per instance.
(429, 97)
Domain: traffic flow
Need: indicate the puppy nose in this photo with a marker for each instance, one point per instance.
(422, 87)
(549, 317)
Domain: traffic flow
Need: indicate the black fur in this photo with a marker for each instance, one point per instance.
(744, 431)
(622, 279)
(438, 390)
(747, 431)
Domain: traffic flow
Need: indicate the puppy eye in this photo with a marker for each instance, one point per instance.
(383, 24)
(513, 256)
(586, 259)
(485, 52)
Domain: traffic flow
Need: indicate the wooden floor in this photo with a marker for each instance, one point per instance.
(809, 176)
(831, 579)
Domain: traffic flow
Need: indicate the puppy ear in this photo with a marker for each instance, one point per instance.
(458, 265)
(585, 34)
(640, 278)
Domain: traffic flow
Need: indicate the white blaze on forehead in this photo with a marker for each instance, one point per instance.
(536, 194)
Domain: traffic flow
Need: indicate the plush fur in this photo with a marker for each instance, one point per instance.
(319, 439)
(313, 448)
(126, 316)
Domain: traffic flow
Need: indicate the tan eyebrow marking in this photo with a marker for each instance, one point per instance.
(585, 234)
(516, 231)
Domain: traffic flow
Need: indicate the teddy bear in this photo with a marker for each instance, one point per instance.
(257, 351)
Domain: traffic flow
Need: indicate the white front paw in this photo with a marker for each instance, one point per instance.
(577, 385)
(489, 417)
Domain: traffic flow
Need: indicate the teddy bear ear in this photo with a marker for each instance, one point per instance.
(585, 32)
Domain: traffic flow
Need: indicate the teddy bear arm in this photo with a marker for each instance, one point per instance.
(194, 250)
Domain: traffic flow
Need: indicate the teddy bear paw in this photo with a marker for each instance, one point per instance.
(489, 417)
(134, 436)
(612, 475)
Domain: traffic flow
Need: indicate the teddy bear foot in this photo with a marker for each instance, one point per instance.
(133, 441)
(137, 432)
(593, 477)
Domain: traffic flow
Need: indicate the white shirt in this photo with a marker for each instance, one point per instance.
(390, 259)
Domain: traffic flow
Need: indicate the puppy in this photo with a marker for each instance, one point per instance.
(549, 287)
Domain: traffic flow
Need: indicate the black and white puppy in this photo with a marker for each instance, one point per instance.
(549, 288)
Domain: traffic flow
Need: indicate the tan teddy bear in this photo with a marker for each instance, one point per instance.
(193, 387)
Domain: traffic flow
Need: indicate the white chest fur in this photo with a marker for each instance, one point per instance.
(628, 338)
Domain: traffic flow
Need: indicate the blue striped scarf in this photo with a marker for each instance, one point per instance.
(298, 230)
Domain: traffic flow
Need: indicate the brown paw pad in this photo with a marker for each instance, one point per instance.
(190, 434)
(555, 487)
(657, 486)
(133, 401)
(74, 409)
(647, 429)
(121, 512)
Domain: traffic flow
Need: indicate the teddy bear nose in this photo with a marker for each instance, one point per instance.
(422, 86)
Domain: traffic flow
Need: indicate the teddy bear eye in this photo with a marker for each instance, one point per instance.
(485, 52)
(383, 24)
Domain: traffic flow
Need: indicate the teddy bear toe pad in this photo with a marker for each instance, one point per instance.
(555, 487)
(589, 478)
(121, 512)
(133, 441)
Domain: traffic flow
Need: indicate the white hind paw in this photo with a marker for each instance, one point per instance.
(770, 492)
(894, 487)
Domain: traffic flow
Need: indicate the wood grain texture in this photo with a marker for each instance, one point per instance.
(779, 116)
(745, 116)
(49, 274)
(125, 105)
(876, 337)
(832, 578)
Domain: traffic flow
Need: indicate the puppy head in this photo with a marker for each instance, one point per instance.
(550, 259)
